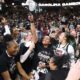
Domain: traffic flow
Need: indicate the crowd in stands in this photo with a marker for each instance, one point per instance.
(42, 46)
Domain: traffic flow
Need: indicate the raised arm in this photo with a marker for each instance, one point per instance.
(33, 29)
(74, 72)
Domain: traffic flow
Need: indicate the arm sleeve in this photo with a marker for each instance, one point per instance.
(24, 56)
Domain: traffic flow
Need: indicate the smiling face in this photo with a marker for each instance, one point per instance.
(12, 48)
(27, 36)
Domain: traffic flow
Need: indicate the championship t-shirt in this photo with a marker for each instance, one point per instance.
(42, 54)
(8, 64)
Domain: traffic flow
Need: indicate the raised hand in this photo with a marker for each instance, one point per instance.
(74, 73)
(32, 45)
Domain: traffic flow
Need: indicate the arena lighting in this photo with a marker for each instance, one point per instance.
(12, 4)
